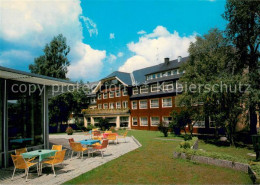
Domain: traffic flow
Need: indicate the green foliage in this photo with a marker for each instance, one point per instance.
(112, 129)
(54, 62)
(164, 128)
(69, 131)
(185, 145)
(243, 30)
(256, 169)
(187, 137)
(181, 119)
(217, 86)
(103, 123)
(90, 127)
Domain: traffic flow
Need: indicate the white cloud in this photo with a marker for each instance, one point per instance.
(111, 58)
(33, 23)
(89, 62)
(152, 48)
(120, 54)
(91, 26)
(111, 36)
(141, 32)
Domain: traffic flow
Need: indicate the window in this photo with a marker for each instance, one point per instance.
(180, 71)
(125, 104)
(143, 121)
(134, 121)
(111, 94)
(118, 93)
(134, 104)
(199, 124)
(111, 105)
(155, 121)
(158, 75)
(167, 120)
(124, 121)
(105, 96)
(154, 103)
(212, 123)
(99, 96)
(135, 90)
(99, 106)
(164, 74)
(155, 88)
(168, 86)
(154, 76)
(144, 89)
(105, 106)
(174, 72)
(125, 93)
(93, 100)
(167, 102)
(169, 73)
(143, 104)
(118, 105)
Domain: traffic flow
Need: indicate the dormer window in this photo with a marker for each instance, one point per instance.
(135, 90)
(144, 89)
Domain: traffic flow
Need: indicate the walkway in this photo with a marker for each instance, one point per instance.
(72, 168)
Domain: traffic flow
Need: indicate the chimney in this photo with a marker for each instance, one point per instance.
(166, 61)
(179, 58)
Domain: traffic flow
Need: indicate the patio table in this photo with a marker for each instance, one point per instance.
(43, 154)
(106, 134)
(89, 142)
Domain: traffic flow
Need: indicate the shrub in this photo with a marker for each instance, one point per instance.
(185, 145)
(90, 127)
(103, 123)
(69, 131)
(187, 137)
(112, 129)
(163, 127)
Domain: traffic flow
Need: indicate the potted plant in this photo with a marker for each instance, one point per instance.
(69, 131)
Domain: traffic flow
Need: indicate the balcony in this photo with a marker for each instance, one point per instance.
(105, 111)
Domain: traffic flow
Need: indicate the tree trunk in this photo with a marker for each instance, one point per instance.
(58, 127)
(253, 120)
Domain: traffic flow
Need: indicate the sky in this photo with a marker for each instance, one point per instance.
(104, 35)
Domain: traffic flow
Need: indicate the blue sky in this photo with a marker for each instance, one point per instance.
(104, 35)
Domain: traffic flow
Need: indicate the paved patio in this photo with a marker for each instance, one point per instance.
(71, 168)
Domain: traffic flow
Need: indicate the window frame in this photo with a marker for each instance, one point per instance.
(140, 119)
(157, 86)
(152, 122)
(100, 106)
(99, 96)
(146, 89)
(167, 106)
(105, 104)
(111, 103)
(104, 96)
(143, 101)
(126, 104)
(118, 91)
(119, 104)
(125, 91)
(151, 103)
(136, 105)
(133, 121)
(110, 94)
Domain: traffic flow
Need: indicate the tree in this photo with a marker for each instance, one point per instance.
(243, 30)
(181, 119)
(164, 128)
(216, 94)
(54, 62)
(103, 123)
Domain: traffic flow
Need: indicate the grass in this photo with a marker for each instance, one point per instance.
(153, 163)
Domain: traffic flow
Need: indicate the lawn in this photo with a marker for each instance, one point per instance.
(153, 163)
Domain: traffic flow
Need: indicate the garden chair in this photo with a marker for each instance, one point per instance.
(77, 147)
(55, 147)
(71, 140)
(21, 151)
(58, 159)
(102, 147)
(20, 163)
(123, 136)
(112, 137)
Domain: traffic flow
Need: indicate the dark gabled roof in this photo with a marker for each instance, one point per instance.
(166, 78)
(140, 75)
(171, 65)
(125, 77)
(153, 94)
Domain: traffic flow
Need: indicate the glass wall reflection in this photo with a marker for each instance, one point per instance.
(25, 116)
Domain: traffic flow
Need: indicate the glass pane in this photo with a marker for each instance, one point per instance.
(25, 116)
